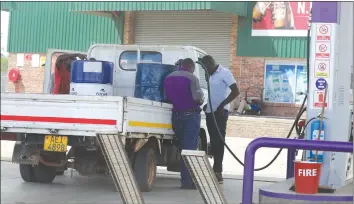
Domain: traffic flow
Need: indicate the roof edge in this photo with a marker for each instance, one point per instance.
(8, 5)
(238, 8)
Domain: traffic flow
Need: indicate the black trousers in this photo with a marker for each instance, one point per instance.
(216, 144)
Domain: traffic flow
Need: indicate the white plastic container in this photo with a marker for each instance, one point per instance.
(90, 89)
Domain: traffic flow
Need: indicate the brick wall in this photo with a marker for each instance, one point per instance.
(251, 74)
(233, 57)
(31, 80)
(233, 46)
(129, 27)
(254, 127)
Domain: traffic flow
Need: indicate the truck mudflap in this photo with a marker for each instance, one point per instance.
(25, 154)
(120, 169)
(29, 154)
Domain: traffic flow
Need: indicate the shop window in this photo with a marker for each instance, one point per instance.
(129, 59)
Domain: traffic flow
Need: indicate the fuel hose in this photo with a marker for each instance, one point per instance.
(220, 135)
(301, 111)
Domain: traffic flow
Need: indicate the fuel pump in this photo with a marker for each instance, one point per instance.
(331, 44)
(331, 59)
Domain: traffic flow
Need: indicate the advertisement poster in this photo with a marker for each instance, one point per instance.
(35, 60)
(279, 83)
(20, 59)
(301, 83)
(280, 18)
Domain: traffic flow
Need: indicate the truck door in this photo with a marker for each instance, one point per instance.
(51, 56)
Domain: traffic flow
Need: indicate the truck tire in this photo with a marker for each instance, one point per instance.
(145, 168)
(27, 173)
(44, 174)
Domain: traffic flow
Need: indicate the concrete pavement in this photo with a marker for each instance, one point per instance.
(92, 190)
(78, 189)
(232, 169)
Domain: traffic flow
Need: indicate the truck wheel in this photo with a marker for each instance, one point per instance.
(145, 168)
(27, 173)
(44, 174)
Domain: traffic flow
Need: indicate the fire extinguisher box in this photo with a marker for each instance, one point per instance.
(307, 176)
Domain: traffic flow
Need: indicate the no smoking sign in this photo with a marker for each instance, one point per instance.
(323, 32)
(323, 50)
(322, 68)
(323, 29)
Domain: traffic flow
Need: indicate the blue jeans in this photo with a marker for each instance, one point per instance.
(186, 126)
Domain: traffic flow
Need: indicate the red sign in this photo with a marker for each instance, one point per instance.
(323, 50)
(280, 18)
(28, 57)
(318, 99)
(323, 32)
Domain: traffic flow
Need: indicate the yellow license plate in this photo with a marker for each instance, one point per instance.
(55, 143)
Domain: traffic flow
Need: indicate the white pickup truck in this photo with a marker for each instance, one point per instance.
(40, 121)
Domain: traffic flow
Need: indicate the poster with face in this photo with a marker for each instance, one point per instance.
(281, 18)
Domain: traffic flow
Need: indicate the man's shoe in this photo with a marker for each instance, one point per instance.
(219, 177)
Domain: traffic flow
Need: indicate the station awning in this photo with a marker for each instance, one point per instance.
(238, 8)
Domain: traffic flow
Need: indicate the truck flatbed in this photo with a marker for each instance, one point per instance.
(84, 115)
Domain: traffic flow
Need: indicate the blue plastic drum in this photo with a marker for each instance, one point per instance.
(149, 80)
(89, 71)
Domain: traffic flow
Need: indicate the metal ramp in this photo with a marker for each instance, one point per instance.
(120, 168)
(203, 176)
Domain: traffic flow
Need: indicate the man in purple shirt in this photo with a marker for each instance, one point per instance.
(183, 91)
